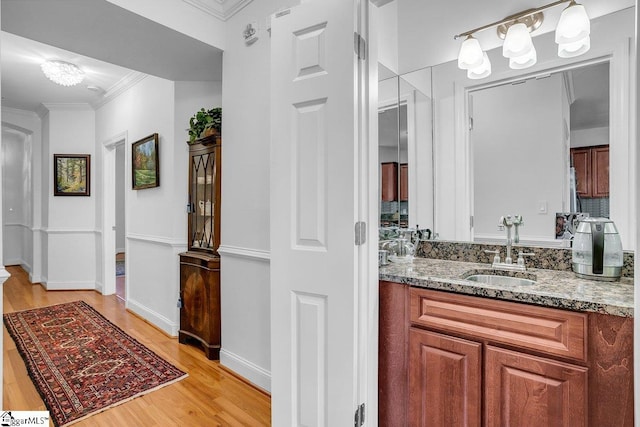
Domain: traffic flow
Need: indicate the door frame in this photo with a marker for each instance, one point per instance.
(108, 211)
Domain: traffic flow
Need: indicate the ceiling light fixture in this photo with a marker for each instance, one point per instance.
(572, 36)
(62, 73)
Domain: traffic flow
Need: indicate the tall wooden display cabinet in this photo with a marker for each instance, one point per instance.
(200, 265)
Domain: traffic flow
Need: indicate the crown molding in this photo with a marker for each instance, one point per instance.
(18, 112)
(43, 109)
(124, 84)
(221, 9)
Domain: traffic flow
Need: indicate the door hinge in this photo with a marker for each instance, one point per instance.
(470, 123)
(360, 46)
(360, 233)
(359, 418)
(471, 221)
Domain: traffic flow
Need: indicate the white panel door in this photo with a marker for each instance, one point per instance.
(314, 207)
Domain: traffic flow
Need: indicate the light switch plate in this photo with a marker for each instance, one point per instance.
(542, 207)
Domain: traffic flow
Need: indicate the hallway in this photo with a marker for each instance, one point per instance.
(210, 396)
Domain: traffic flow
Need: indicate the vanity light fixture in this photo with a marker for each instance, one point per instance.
(572, 36)
(62, 73)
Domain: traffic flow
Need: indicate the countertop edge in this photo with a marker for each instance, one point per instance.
(547, 300)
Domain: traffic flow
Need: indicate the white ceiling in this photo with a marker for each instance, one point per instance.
(112, 45)
(25, 87)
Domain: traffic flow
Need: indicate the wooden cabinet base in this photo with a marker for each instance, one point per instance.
(447, 360)
(200, 296)
(211, 351)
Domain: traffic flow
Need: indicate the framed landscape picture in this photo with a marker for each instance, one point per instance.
(71, 174)
(145, 165)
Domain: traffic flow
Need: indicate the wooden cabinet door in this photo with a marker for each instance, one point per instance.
(200, 295)
(582, 164)
(523, 390)
(404, 182)
(389, 176)
(600, 171)
(444, 380)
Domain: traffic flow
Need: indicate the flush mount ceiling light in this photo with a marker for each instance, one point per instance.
(572, 36)
(62, 73)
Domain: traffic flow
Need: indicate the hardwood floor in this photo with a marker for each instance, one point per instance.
(210, 396)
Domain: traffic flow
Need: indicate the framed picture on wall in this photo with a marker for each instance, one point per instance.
(72, 174)
(145, 165)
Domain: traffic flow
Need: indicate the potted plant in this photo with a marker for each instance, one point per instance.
(205, 123)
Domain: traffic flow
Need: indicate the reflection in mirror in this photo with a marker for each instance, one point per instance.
(448, 188)
(390, 118)
(531, 142)
(456, 168)
(406, 151)
(417, 141)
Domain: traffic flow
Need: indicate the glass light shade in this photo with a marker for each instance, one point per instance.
(62, 73)
(569, 50)
(481, 71)
(574, 24)
(523, 61)
(517, 42)
(470, 55)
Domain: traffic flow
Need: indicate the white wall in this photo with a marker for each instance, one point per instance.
(590, 137)
(71, 231)
(245, 197)
(16, 198)
(29, 124)
(510, 140)
(120, 198)
(153, 240)
(387, 34)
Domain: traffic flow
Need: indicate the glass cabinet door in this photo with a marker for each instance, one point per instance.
(203, 199)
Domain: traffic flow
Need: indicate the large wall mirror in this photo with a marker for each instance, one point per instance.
(518, 141)
(405, 141)
(539, 147)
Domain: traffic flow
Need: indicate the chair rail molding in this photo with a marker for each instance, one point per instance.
(174, 243)
(240, 252)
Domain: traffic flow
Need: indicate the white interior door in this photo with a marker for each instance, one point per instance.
(315, 202)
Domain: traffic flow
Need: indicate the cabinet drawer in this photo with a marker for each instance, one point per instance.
(547, 330)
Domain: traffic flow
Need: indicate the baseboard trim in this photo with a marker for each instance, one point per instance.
(250, 371)
(14, 261)
(4, 275)
(236, 251)
(69, 285)
(156, 319)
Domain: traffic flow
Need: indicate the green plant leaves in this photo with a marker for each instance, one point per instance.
(203, 120)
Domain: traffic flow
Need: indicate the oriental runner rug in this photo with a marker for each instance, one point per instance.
(81, 363)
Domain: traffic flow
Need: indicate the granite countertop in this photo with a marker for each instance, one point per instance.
(559, 289)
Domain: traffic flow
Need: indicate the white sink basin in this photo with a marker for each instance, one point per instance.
(500, 280)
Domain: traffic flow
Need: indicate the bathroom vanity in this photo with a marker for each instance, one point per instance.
(455, 352)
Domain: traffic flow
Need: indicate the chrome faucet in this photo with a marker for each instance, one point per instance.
(507, 222)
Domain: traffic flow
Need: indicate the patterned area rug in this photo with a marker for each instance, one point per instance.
(81, 363)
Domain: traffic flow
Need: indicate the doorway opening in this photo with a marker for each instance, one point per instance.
(114, 266)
